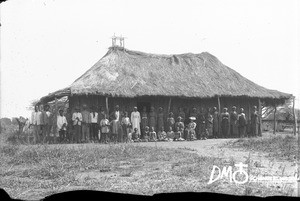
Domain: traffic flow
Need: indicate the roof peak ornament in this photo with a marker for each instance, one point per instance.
(120, 39)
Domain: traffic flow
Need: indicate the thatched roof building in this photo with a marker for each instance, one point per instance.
(131, 78)
(125, 73)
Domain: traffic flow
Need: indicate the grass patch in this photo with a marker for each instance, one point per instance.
(283, 147)
(36, 171)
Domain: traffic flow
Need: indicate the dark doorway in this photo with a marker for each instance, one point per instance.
(141, 105)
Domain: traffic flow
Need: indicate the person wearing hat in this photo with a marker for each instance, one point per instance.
(215, 132)
(225, 123)
(242, 123)
(135, 118)
(77, 119)
(233, 123)
(61, 125)
(254, 122)
(171, 121)
(194, 113)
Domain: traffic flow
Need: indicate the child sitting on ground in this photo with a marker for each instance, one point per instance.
(170, 135)
(161, 135)
(178, 135)
(129, 136)
(135, 135)
(146, 134)
(181, 130)
(152, 134)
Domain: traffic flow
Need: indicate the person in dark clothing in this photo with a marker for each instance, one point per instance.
(225, 123)
(254, 122)
(215, 123)
(233, 123)
(209, 124)
(201, 122)
(242, 123)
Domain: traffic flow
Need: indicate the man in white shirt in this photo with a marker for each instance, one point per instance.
(94, 125)
(61, 125)
(77, 119)
(36, 123)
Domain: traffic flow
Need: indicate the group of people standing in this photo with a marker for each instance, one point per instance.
(89, 125)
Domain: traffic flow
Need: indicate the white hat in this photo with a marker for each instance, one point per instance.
(193, 118)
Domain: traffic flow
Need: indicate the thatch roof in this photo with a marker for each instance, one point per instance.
(125, 73)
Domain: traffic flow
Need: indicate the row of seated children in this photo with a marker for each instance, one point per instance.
(148, 135)
(151, 136)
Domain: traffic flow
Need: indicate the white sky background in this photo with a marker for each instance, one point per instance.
(47, 44)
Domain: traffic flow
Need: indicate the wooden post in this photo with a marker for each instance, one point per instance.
(219, 111)
(169, 106)
(106, 102)
(295, 117)
(259, 118)
(275, 108)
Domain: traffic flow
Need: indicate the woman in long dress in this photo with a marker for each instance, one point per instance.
(136, 120)
(225, 123)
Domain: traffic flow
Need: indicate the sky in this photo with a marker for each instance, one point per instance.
(47, 44)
